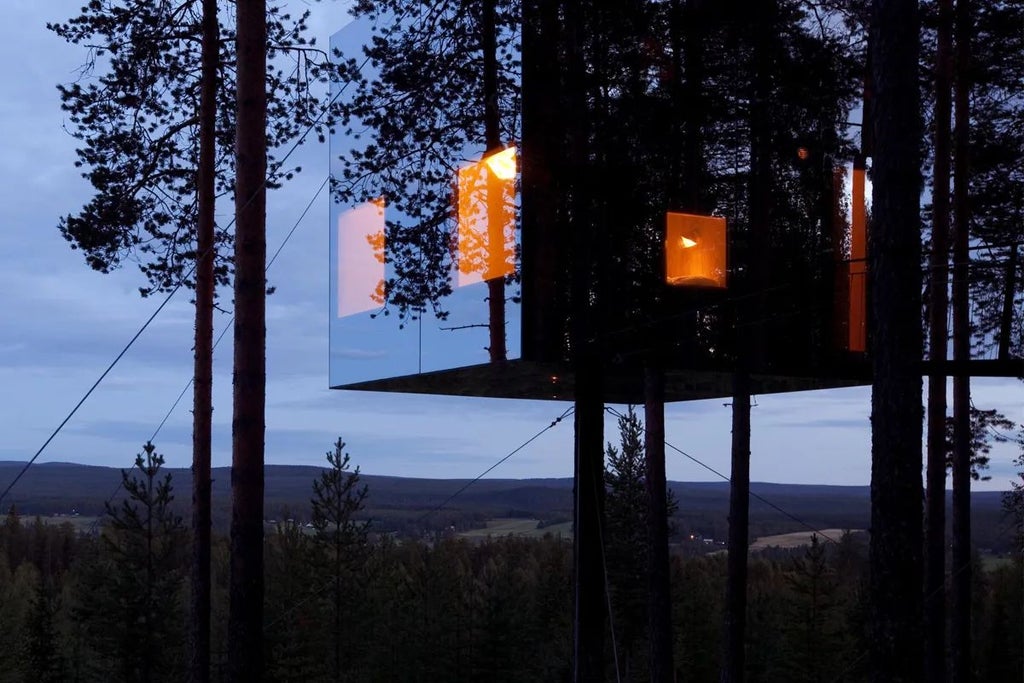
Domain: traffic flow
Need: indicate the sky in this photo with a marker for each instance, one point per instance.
(63, 323)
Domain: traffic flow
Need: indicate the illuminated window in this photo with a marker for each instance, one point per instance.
(361, 258)
(486, 216)
(857, 320)
(695, 251)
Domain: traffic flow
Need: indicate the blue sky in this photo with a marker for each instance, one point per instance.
(63, 323)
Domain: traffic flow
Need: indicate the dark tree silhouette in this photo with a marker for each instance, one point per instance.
(337, 498)
(154, 110)
(894, 261)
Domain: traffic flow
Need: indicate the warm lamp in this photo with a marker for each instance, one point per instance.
(502, 164)
(695, 251)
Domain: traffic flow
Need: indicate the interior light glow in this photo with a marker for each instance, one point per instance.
(503, 163)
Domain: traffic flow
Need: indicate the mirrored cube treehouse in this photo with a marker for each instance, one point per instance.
(479, 266)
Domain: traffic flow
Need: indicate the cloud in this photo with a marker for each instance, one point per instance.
(358, 354)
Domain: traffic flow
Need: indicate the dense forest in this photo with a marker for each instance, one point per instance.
(110, 607)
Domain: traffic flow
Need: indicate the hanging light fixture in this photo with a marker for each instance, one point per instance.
(695, 250)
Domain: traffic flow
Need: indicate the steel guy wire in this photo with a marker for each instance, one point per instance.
(320, 589)
(752, 494)
(221, 336)
(181, 281)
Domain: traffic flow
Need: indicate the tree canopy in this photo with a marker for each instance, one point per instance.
(134, 109)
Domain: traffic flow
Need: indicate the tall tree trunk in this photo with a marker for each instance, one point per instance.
(245, 622)
(588, 520)
(544, 250)
(739, 515)
(748, 340)
(1009, 290)
(495, 224)
(202, 384)
(938, 331)
(894, 265)
(588, 561)
(960, 628)
(659, 603)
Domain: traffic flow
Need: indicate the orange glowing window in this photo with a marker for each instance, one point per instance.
(857, 316)
(486, 216)
(695, 251)
(361, 258)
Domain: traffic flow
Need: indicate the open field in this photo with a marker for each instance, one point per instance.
(519, 527)
(81, 523)
(798, 538)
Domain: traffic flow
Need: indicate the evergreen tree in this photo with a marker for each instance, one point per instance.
(626, 541)
(996, 178)
(1013, 500)
(130, 590)
(135, 111)
(812, 627)
(16, 590)
(294, 634)
(988, 427)
(155, 112)
(41, 653)
(337, 499)
(894, 258)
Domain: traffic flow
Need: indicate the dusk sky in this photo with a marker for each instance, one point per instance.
(63, 323)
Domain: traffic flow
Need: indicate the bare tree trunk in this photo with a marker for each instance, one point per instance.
(894, 265)
(748, 342)
(590, 601)
(542, 166)
(1009, 289)
(245, 624)
(495, 225)
(588, 561)
(202, 383)
(739, 538)
(960, 627)
(938, 330)
(199, 635)
(659, 603)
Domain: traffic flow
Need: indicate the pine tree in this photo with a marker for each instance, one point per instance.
(294, 633)
(894, 261)
(41, 654)
(626, 542)
(812, 627)
(130, 592)
(135, 111)
(337, 499)
(988, 427)
(1013, 500)
(155, 111)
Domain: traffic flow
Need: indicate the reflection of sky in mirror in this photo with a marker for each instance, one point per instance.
(369, 341)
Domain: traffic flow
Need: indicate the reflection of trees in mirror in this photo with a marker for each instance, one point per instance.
(638, 126)
(421, 113)
(1013, 500)
(988, 427)
(423, 110)
(996, 180)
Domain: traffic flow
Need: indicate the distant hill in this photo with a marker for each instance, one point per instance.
(400, 503)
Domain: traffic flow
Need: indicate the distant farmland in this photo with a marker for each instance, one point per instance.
(519, 527)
